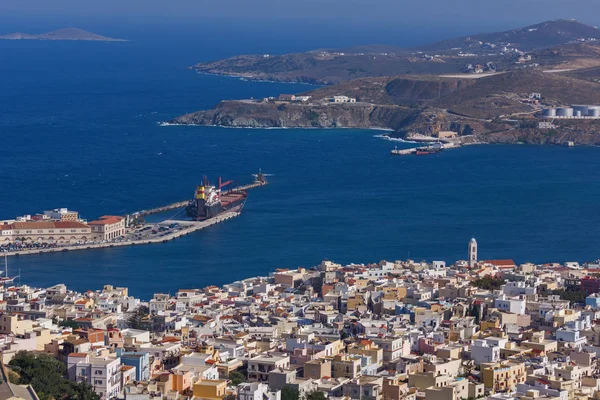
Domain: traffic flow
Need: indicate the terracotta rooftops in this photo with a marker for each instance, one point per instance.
(44, 225)
(107, 220)
(501, 263)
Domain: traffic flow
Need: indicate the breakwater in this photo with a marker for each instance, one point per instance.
(180, 204)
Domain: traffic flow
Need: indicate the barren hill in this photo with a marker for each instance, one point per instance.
(545, 34)
(61, 34)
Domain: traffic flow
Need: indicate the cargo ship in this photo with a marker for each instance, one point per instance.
(210, 201)
(433, 149)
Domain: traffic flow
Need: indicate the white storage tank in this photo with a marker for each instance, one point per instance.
(577, 113)
(583, 109)
(594, 112)
(549, 112)
(564, 112)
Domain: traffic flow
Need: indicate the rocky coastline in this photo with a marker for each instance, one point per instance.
(401, 122)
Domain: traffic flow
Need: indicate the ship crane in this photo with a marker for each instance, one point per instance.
(223, 184)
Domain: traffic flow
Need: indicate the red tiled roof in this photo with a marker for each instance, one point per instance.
(69, 224)
(106, 220)
(44, 225)
(498, 263)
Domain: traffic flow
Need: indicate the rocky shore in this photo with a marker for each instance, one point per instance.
(402, 121)
(251, 114)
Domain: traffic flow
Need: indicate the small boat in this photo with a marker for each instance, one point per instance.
(6, 279)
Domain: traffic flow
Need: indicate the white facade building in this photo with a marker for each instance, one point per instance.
(257, 391)
(514, 305)
(102, 373)
(487, 350)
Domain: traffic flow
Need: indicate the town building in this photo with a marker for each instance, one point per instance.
(59, 232)
(108, 227)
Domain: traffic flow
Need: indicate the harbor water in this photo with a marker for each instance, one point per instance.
(80, 126)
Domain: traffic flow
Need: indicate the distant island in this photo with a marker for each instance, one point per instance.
(61, 34)
(538, 84)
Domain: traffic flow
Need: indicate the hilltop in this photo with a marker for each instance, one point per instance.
(549, 44)
(529, 38)
(415, 94)
(489, 109)
(61, 34)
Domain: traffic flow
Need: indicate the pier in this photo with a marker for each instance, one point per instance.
(181, 204)
(147, 233)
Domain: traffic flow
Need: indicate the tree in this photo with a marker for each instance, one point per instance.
(136, 319)
(315, 395)
(236, 377)
(489, 282)
(576, 295)
(47, 377)
(66, 323)
(289, 393)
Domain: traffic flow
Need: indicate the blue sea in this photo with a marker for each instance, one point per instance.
(80, 128)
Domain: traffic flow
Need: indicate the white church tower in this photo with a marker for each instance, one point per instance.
(472, 252)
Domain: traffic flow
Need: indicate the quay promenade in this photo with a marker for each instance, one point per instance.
(188, 227)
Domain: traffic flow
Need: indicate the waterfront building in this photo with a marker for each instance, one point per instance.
(108, 227)
(62, 214)
(60, 232)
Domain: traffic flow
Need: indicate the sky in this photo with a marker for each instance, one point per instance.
(306, 23)
(476, 13)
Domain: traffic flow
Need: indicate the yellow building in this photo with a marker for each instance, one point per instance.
(210, 389)
(394, 293)
(505, 376)
(356, 301)
(14, 324)
(345, 367)
(490, 324)
(539, 344)
(368, 349)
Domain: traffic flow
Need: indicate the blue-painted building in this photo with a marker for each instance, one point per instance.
(593, 300)
(141, 362)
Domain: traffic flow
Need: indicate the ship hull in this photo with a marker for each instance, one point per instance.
(233, 201)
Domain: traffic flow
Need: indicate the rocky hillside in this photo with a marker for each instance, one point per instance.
(489, 109)
(272, 115)
(501, 49)
(545, 34)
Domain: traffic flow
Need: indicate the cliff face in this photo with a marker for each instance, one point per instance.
(257, 115)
